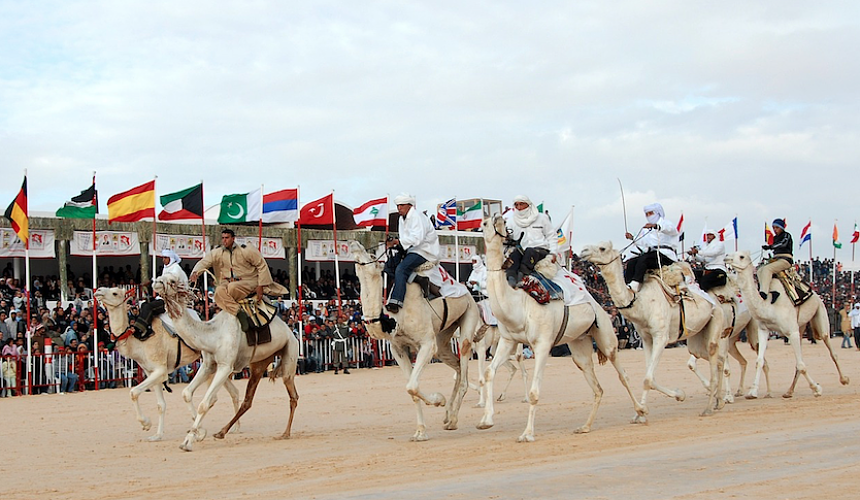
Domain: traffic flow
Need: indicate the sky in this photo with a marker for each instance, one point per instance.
(715, 109)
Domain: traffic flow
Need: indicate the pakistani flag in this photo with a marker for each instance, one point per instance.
(471, 218)
(82, 206)
(244, 207)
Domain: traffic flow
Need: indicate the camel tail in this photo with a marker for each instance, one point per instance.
(289, 359)
(601, 358)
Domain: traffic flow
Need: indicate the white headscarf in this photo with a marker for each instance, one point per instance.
(658, 212)
(174, 259)
(404, 199)
(525, 218)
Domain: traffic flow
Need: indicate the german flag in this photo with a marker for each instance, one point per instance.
(133, 205)
(18, 215)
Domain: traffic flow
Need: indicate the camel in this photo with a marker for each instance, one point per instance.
(786, 319)
(490, 341)
(543, 326)
(737, 319)
(656, 316)
(423, 327)
(222, 339)
(159, 355)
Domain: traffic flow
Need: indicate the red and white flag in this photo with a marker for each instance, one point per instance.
(318, 212)
(372, 213)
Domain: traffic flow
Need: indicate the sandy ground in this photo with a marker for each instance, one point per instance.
(351, 440)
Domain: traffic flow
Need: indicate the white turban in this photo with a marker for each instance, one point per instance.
(404, 199)
(524, 218)
(170, 254)
(658, 212)
(711, 231)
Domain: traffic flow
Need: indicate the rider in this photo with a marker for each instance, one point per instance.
(534, 235)
(417, 244)
(140, 324)
(240, 270)
(657, 242)
(713, 255)
(783, 248)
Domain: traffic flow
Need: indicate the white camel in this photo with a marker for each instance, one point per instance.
(514, 363)
(222, 339)
(785, 318)
(158, 355)
(737, 319)
(423, 327)
(543, 326)
(656, 315)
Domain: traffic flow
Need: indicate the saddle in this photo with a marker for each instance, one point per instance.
(541, 288)
(797, 290)
(259, 314)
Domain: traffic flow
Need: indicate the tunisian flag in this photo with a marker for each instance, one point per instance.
(319, 212)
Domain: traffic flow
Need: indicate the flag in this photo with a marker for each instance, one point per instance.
(82, 206)
(241, 207)
(471, 218)
(730, 231)
(372, 213)
(133, 205)
(183, 205)
(281, 206)
(318, 212)
(856, 235)
(19, 216)
(768, 234)
(446, 216)
(806, 233)
(563, 232)
(836, 242)
(540, 207)
(680, 228)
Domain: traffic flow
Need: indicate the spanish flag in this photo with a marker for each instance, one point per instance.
(18, 215)
(133, 205)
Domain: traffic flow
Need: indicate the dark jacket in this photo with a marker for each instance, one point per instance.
(782, 244)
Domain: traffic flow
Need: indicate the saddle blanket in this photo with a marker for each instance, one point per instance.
(573, 287)
(447, 285)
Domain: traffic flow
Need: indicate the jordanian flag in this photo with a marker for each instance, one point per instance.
(243, 207)
(183, 205)
(471, 217)
(82, 206)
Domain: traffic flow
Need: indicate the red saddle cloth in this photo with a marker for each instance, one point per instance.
(535, 290)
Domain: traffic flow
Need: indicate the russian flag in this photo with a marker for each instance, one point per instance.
(281, 206)
(806, 234)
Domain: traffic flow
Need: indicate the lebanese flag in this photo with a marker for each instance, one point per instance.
(319, 212)
(372, 213)
(471, 218)
(183, 205)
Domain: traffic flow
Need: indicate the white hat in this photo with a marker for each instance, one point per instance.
(404, 199)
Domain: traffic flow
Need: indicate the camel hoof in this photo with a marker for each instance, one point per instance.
(501, 397)
(582, 430)
(479, 405)
(738, 394)
(844, 380)
(285, 435)
(707, 413)
(639, 419)
(418, 437)
(768, 396)
(751, 395)
(730, 399)
(451, 426)
(484, 425)
(218, 435)
(437, 399)
(146, 424)
(154, 438)
(787, 395)
(818, 391)
(680, 395)
(185, 446)
(526, 438)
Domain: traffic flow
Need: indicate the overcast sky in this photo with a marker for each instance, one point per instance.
(715, 109)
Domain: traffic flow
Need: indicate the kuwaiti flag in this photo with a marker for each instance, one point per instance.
(471, 218)
(806, 234)
(183, 205)
(242, 207)
(82, 206)
(855, 235)
(281, 206)
(372, 213)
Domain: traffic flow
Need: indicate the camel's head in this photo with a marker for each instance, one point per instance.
(112, 297)
(739, 260)
(494, 227)
(364, 260)
(599, 254)
(176, 294)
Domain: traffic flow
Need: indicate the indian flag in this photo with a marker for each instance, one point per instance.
(471, 217)
(372, 213)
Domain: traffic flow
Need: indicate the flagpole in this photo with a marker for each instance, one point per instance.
(833, 296)
(387, 230)
(853, 245)
(154, 227)
(95, 300)
(260, 232)
(299, 269)
(27, 294)
(456, 243)
(203, 245)
(570, 241)
(336, 262)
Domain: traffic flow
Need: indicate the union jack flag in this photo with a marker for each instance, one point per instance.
(446, 216)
